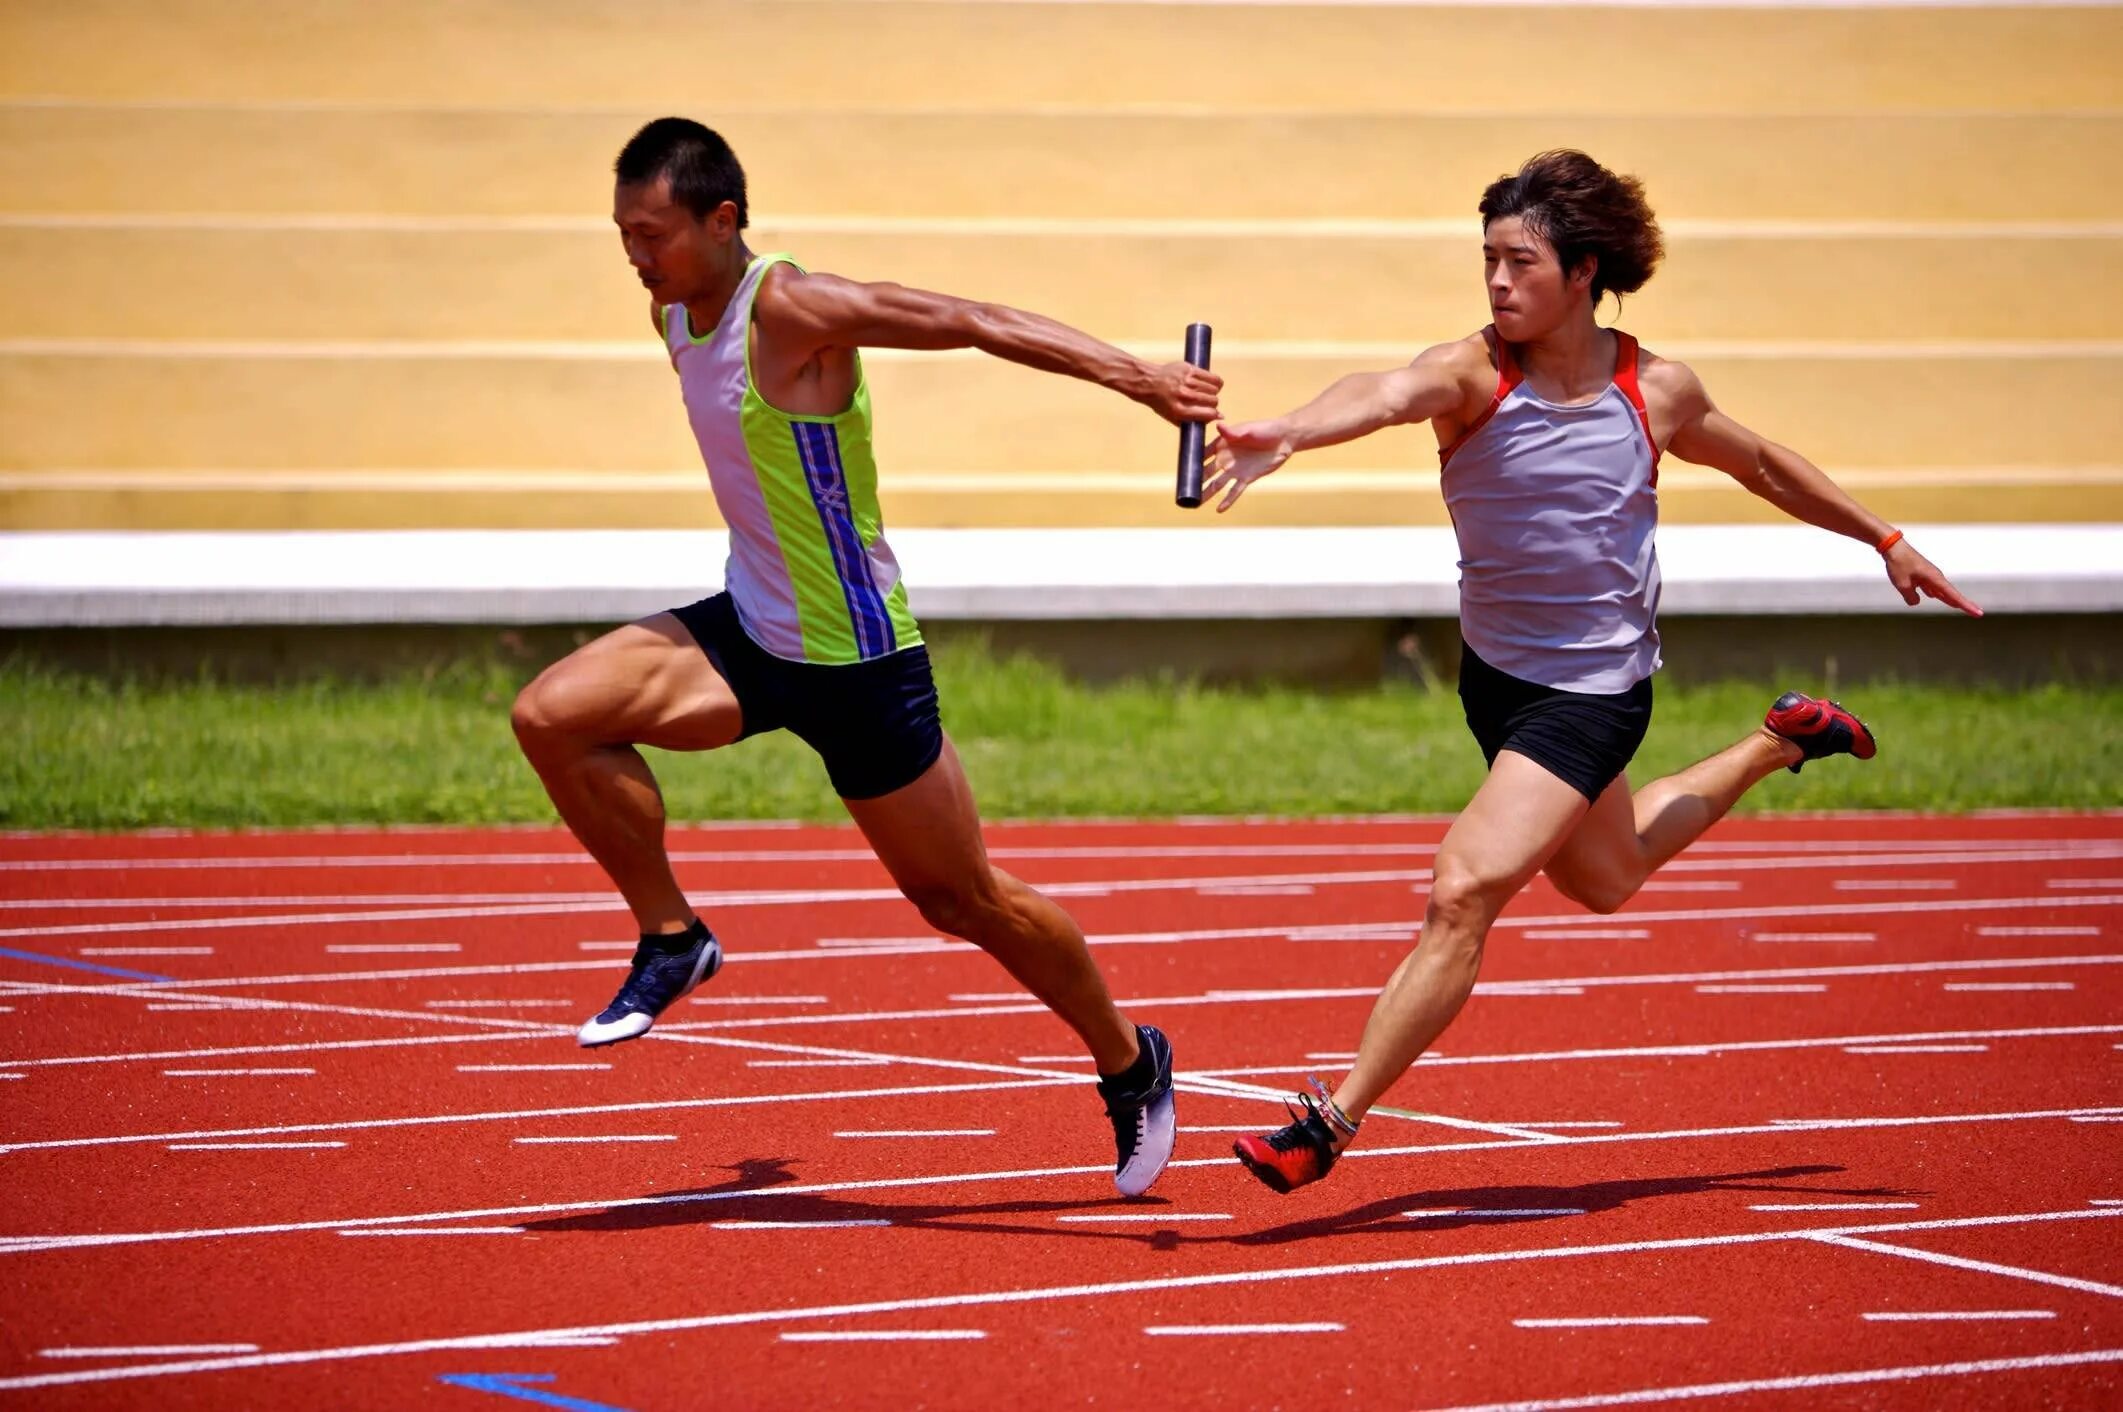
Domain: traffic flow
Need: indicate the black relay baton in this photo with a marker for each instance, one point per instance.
(1189, 494)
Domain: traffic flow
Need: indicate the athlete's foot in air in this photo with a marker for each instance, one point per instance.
(1139, 1105)
(664, 969)
(1302, 1152)
(1818, 728)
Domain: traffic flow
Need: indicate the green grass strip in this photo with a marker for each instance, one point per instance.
(86, 753)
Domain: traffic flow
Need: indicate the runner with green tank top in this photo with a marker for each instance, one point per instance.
(813, 631)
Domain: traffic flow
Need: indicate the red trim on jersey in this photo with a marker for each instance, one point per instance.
(1625, 369)
(1508, 376)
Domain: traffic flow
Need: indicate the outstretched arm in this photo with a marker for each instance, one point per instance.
(1354, 406)
(1796, 486)
(808, 313)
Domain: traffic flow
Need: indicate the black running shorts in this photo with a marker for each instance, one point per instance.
(874, 723)
(1584, 740)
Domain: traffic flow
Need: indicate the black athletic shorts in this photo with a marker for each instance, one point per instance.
(874, 723)
(1584, 740)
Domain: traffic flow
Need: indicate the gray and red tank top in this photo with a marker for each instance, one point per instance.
(1555, 508)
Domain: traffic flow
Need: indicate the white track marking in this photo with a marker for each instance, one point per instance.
(1221, 1127)
(987, 1298)
(1838, 1206)
(2104, 1118)
(529, 1068)
(794, 1225)
(1759, 989)
(443, 1231)
(148, 1350)
(1813, 936)
(2038, 931)
(1158, 1218)
(498, 1004)
(816, 1063)
(250, 1146)
(1932, 1257)
(1213, 1330)
(917, 1132)
(225, 1073)
(1488, 1213)
(384, 949)
(1587, 934)
(1054, 1059)
(1543, 1123)
(580, 1110)
(2010, 985)
(229, 1051)
(987, 997)
(1894, 884)
(147, 951)
(1916, 1316)
(1916, 1049)
(761, 999)
(882, 1335)
(2084, 882)
(603, 1137)
(1612, 1321)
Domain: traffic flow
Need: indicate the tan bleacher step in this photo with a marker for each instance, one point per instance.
(1299, 496)
(1411, 289)
(637, 54)
(800, 161)
(134, 406)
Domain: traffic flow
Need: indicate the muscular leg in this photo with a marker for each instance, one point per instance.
(1625, 839)
(927, 834)
(1519, 816)
(648, 684)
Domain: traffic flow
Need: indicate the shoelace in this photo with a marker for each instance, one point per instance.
(1302, 1130)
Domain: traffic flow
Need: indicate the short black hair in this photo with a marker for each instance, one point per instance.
(703, 170)
(1581, 208)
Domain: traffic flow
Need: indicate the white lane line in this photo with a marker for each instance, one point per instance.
(1759, 989)
(1256, 890)
(530, 1068)
(793, 1225)
(830, 941)
(147, 951)
(2010, 985)
(1801, 1382)
(1688, 885)
(498, 1004)
(1488, 1213)
(1502, 989)
(1100, 1218)
(2038, 931)
(1223, 1127)
(1932, 1257)
(443, 1231)
(990, 996)
(626, 946)
(1214, 1330)
(1054, 1059)
(519, 1338)
(1332, 1055)
(250, 1146)
(882, 1335)
(1916, 1049)
(1838, 1206)
(229, 1051)
(605, 1137)
(1916, 1316)
(383, 949)
(2104, 1118)
(917, 1132)
(1543, 1123)
(1611, 1321)
(1894, 884)
(224, 1073)
(1587, 934)
(148, 1350)
(771, 999)
(2097, 883)
(816, 1063)
(193, 1008)
(5, 1077)
(1813, 936)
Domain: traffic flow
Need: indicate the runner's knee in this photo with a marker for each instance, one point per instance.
(957, 907)
(1463, 903)
(548, 712)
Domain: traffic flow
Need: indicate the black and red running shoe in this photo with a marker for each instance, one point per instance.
(1293, 1156)
(1819, 728)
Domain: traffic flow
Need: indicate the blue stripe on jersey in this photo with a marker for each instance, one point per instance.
(817, 445)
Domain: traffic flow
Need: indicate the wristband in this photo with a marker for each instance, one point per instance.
(1890, 542)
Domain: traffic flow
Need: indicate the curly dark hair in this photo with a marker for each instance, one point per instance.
(1580, 208)
(704, 172)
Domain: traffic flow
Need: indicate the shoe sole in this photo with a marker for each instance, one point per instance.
(710, 963)
(1270, 1177)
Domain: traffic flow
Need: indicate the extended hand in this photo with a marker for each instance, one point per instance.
(1241, 454)
(1912, 575)
(1181, 392)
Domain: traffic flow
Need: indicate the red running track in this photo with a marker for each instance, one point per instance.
(1829, 1116)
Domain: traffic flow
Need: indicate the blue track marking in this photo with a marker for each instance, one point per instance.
(119, 971)
(512, 1385)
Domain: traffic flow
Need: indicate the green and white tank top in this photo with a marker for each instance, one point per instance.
(809, 571)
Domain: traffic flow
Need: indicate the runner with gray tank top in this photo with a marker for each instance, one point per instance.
(1550, 431)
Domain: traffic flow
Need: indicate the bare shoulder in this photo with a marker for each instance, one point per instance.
(1467, 361)
(1670, 382)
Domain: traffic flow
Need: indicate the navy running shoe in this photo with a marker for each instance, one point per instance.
(1819, 728)
(1143, 1120)
(656, 980)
